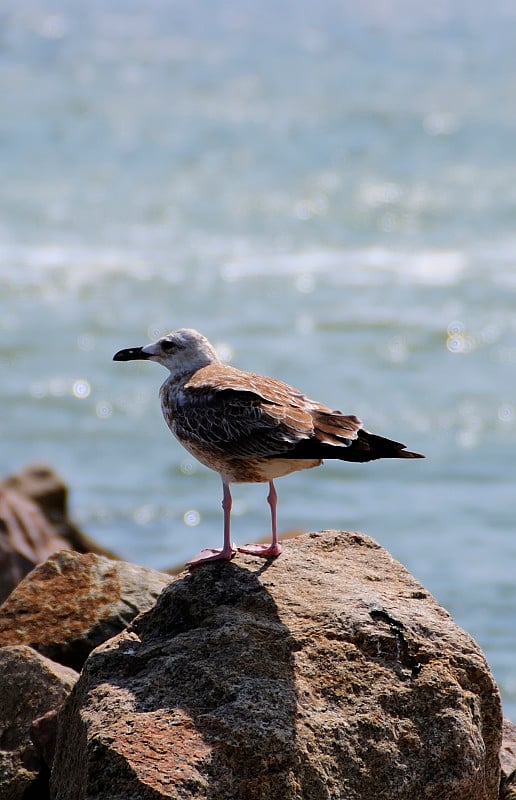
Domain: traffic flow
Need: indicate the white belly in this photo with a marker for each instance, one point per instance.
(248, 470)
(277, 467)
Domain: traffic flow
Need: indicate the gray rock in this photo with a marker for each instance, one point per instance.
(72, 602)
(30, 685)
(328, 674)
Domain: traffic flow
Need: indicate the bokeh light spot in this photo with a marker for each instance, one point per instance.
(191, 518)
(455, 344)
(103, 409)
(455, 328)
(397, 350)
(305, 283)
(81, 389)
(143, 515)
(224, 351)
(506, 413)
(86, 342)
(188, 467)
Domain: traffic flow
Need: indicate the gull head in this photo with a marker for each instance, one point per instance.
(184, 350)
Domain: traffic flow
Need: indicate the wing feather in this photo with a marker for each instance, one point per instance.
(245, 414)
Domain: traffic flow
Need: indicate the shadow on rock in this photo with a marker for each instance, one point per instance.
(205, 683)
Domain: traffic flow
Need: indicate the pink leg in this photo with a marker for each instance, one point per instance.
(274, 548)
(228, 550)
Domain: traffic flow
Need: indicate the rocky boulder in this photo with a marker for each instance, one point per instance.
(329, 673)
(72, 602)
(30, 686)
(26, 538)
(41, 485)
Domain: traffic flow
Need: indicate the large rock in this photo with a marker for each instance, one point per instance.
(26, 538)
(328, 674)
(72, 602)
(30, 685)
(42, 485)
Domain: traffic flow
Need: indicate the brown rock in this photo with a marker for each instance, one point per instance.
(41, 484)
(43, 734)
(508, 786)
(72, 602)
(30, 685)
(508, 750)
(26, 539)
(34, 523)
(328, 674)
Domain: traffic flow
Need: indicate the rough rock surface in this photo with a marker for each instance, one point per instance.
(508, 751)
(328, 674)
(508, 787)
(72, 602)
(508, 761)
(26, 539)
(43, 733)
(30, 685)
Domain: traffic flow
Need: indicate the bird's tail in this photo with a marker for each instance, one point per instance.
(340, 436)
(369, 446)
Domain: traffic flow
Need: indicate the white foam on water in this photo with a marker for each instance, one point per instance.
(357, 266)
(69, 268)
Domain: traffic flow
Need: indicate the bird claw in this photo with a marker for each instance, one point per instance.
(262, 550)
(211, 554)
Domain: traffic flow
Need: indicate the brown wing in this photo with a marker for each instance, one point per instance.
(252, 415)
(255, 415)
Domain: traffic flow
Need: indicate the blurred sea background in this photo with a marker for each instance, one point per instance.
(328, 192)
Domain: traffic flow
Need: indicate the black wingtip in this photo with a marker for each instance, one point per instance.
(408, 454)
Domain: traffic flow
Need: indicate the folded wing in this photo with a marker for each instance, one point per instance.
(249, 415)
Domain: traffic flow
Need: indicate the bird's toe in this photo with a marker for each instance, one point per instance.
(211, 554)
(262, 550)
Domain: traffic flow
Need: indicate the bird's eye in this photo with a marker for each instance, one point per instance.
(168, 346)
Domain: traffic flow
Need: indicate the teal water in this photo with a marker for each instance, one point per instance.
(329, 194)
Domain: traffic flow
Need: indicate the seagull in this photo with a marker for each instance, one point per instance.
(249, 428)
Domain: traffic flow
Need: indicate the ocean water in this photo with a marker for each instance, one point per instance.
(328, 192)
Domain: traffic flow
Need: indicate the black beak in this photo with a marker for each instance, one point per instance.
(131, 354)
